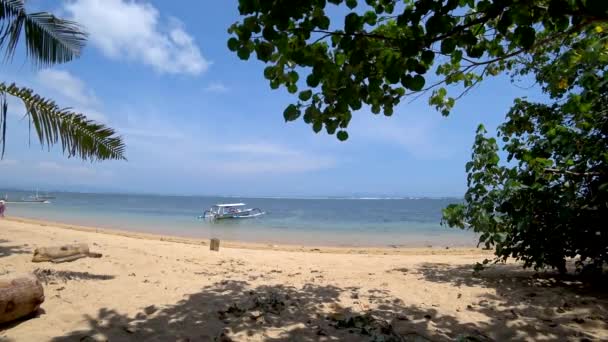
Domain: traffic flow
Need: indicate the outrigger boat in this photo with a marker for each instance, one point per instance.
(231, 211)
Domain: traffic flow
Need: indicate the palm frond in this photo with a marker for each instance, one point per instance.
(48, 39)
(12, 16)
(52, 40)
(77, 135)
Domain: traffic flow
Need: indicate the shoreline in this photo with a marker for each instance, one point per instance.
(386, 250)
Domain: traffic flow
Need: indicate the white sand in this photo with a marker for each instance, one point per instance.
(145, 289)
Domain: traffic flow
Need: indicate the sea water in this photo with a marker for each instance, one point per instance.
(410, 222)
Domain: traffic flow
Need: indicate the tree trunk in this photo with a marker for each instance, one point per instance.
(20, 295)
(61, 254)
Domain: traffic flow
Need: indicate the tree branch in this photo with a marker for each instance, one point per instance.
(579, 174)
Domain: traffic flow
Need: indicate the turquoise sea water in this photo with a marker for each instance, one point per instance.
(305, 221)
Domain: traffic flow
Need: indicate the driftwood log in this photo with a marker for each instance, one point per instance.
(63, 253)
(20, 295)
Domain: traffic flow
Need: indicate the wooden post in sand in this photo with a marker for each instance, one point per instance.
(20, 295)
(215, 245)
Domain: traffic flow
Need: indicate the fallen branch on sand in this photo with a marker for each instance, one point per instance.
(64, 253)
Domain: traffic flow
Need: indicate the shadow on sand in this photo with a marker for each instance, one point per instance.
(49, 276)
(7, 250)
(521, 307)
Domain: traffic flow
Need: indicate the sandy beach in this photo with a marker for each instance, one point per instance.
(159, 288)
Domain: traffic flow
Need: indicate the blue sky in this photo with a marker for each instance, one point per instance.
(197, 120)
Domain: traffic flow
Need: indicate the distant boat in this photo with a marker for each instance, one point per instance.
(26, 200)
(231, 211)
(38, 197)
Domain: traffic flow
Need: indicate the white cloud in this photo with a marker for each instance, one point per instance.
(67, 85)
(155, 138)
(70, 91)
(216, 87)
(125, 28)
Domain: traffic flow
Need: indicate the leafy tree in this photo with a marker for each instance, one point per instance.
(50, 40)
(384, 50)
(549, 200)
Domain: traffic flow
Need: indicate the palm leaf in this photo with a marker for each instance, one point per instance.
(48, 39)
(77, 135)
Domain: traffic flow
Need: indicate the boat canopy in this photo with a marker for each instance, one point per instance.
(231, 205)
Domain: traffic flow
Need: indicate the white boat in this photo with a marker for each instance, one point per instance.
(39, 198)
(231, 211)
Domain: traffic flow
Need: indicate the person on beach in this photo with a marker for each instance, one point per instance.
(2, 208)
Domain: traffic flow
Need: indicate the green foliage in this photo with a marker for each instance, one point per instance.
(50, 40)
(548, 201)
(78, 136)
(386, 49)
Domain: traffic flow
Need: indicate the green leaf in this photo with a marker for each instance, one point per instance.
(293, 76)
(416, 83)
(269, 72)
(342, 135)
(525, 36)
(243, 53)
(305, 95)
(427, 57)
(264, 51)
(292, 88)
(312, 80)
(233, 44)
(351, 3)
(352, 23)
(447, 46)
(317, 126)
(370, 18)
(324, 23)
(291, 113)
(340, 58)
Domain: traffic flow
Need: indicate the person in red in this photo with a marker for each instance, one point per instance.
(2, 208)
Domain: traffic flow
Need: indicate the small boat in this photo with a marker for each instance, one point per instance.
(231, 211)
(38, 197)
(26, 200)
(29, 199)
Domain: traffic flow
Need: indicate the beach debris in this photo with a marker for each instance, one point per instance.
(20, 296)
(472, 338)
(401, 270)
(63, 253)
(369, 325)
(130, 329)
(256, 314)
(151, 309)
(270, 303)
(214, 245)
(98, 337)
